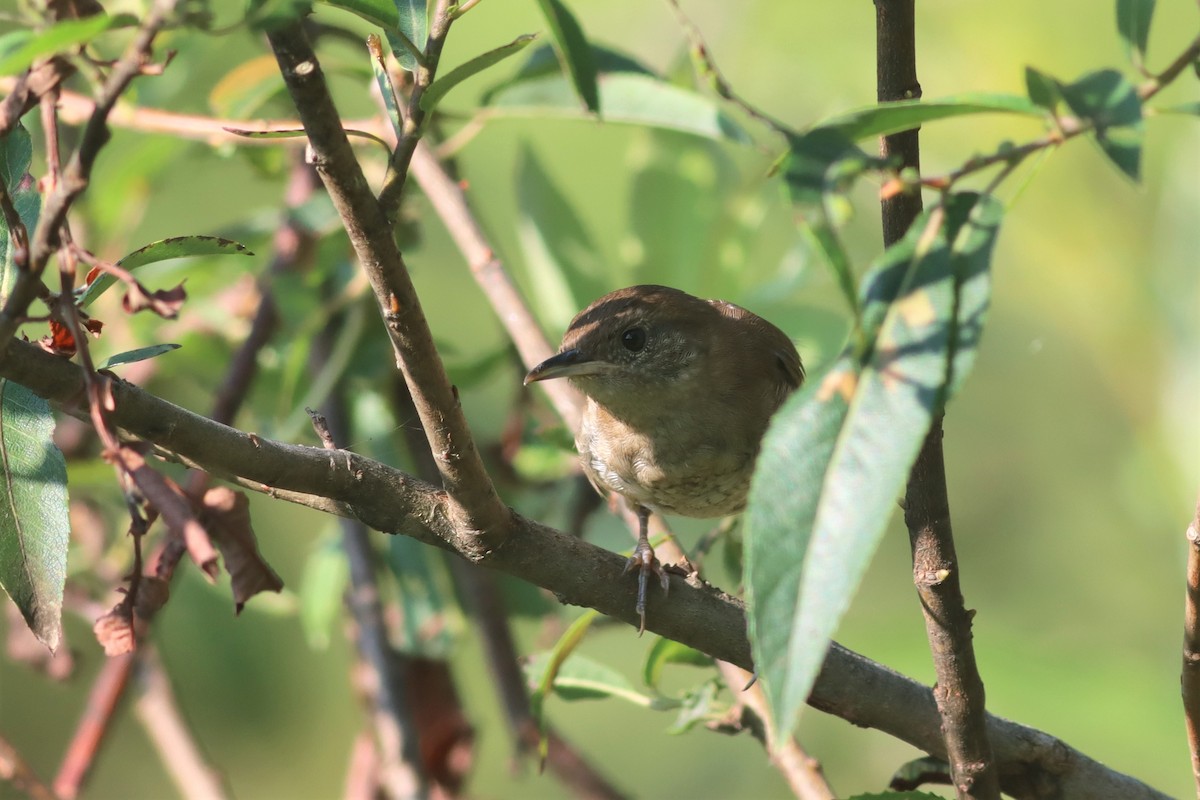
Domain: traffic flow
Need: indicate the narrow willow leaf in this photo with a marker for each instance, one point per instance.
(581, 678)
(34, 524)
(384, 83)
(1110, 102)
(140, 354)
(668, 651)
(163, 250)
(903, 115)
(59, 37)
(16, 152)
(542, 62)
(838, 453)
(1133, 24)
(825, 242)
(381, 13)
(322, 586)
(413, 24)
(574, 52)
(1181, 108)
(434, 94)
(543, 681)
(627, 98)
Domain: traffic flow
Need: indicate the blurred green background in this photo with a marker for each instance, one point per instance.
(1072, 453)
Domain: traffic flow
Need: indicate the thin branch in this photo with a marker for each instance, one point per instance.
(473, 498)
(1032, 763)
(14, 770)
(801, 771)
(450, 202)
(401, 773)
(167, 731)
(959, 689)
(1190, 680)
(94, 725)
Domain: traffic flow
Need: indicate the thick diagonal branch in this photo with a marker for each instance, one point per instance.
(473, 500)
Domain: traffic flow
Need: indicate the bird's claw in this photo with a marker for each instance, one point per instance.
(647, 564)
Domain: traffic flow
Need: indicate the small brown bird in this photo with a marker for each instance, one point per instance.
(679, 393)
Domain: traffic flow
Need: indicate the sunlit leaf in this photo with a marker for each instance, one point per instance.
(574, 52)
(1110, 102)
(59, 37)
(581, 678)
(34, 524)
(434, 94)
(245, 88)
(838, 453)
(627, 98)
(1043, 90)
(543, 677)
(1133, 24)
(888, 118)
(163, 250)
(140, 354)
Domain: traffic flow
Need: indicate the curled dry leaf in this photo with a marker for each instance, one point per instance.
(164, 302)
(228, 516)
(165, 496)
(118, 630)
(60, 341)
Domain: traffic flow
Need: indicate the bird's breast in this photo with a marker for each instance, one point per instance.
(691, 475)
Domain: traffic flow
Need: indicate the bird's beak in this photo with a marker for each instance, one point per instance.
(567, 364)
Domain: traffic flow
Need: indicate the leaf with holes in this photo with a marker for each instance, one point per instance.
(164, 250)
(34, 524)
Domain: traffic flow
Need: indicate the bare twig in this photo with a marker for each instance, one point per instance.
(159, 714)
(401, 773)
(14, 770)
(473, 498)
(1032, 763)
(450, 203)
(959, 690)
(106, 691)
(801, 771)
(1190, 680)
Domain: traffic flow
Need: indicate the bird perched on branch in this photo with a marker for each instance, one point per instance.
(679, 393)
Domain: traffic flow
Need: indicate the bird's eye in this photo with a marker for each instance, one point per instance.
(634, 339)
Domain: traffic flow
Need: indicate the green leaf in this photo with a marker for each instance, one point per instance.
(34, 524)
(888, 118)
(582, 678)
(542, 675)
(16, 152)
(386, 90)
(1043, 90)
(696, 706)
(59, 37)
(1110, 102)
(413, 25)
(1133, 23)
(424, 630)
(433, 95)
(668, 651)
(1181, 108)
(574, 52)
(245, 88)
(381, 13)
(838, 453)
(322, 585)
(919, 771)
(542, 62)
(627, 98)
(823, 240)
(140, 354)
(163, 250)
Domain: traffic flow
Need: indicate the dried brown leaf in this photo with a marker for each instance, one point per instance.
(164, 302)
(228, 515)
(117, 631)
(60, 341)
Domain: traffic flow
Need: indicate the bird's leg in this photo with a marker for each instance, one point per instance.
(643, 558)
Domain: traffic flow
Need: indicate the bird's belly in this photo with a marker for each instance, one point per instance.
(699, 482)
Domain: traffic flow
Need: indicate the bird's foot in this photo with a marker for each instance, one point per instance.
(647, 564)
